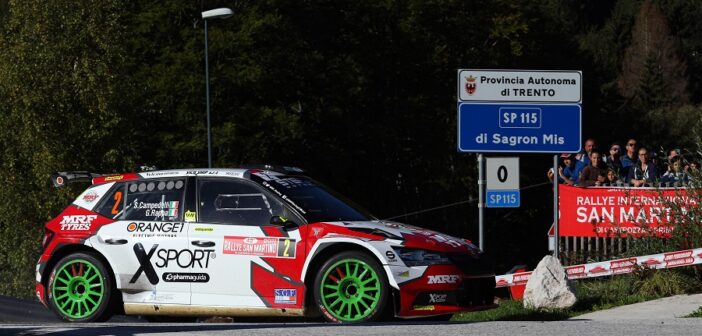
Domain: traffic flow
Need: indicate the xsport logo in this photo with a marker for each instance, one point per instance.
(183, 259)
(145, 263)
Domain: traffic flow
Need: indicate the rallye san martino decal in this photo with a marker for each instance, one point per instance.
(246, 242)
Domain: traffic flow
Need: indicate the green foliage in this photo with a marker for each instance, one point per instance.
(597, 294)
(360, 94)
(666, 283)
(682, 215)
(676, 127)
(696, 313)
(65, 101)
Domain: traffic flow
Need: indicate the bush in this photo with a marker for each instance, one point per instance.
(643, 285)
(662, 283)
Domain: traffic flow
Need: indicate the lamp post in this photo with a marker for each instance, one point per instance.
(219, 13)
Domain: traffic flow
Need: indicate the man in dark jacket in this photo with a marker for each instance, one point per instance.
(629, 158)
(643, 171)
(613, 160)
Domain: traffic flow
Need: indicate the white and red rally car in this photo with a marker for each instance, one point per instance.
(246, 242)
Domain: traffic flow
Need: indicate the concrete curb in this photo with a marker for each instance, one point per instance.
(660, 309)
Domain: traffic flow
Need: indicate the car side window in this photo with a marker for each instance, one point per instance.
(112, 205)
(154, 200)
(226, 201)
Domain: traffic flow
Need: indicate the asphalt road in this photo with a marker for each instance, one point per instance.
(570, 327)
(30, 318)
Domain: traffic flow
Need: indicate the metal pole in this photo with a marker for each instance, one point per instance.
(481, 200)
(556, 246)
(207, 98)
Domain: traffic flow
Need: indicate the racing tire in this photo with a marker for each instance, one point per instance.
(351, 287)
(80, 289)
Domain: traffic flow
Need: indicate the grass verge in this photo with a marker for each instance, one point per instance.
(599, 294)
(696, 313)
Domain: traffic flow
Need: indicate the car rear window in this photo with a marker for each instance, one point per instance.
(112, 205)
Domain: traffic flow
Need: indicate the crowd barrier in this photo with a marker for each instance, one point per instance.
(613, 267)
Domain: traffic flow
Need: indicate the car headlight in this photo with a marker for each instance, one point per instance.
(413, 257)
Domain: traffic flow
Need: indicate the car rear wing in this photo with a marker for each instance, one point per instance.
(276, 168)
(60, 179)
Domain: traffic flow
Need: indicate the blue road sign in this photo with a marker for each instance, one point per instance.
(535, 128)
(502, 198)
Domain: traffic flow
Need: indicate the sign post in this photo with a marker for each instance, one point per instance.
(518, 111)
(502, 182)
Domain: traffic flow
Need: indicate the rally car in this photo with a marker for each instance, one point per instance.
(266, 241)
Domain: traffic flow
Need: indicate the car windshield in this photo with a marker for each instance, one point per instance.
(314, 201)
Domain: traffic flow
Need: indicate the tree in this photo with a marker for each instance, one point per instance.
(653, 75)
(66, 103)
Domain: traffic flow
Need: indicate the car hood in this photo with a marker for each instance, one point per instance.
(412, 236)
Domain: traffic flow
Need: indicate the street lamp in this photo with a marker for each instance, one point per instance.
(219, 13)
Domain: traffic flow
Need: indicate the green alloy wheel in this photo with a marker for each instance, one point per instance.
(351, 287)
(79, 289)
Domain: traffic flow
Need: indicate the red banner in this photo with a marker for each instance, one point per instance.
(604, 212)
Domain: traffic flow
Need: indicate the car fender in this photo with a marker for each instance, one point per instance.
(94, 242)
(365, 245)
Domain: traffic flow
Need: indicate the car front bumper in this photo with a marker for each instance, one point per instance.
(446, 289)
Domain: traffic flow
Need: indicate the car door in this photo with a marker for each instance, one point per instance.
(147, 247)
(257, 264)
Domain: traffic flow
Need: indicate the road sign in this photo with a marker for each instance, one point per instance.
(535, 128)
(502, 189)
(520, 86)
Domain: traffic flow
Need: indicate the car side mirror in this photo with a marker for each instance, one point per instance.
(284, 222)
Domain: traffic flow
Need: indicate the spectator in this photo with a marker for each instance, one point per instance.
(643, 171)
(602, 178)
(676, 175)
(612, 177)
(593, 175)
(656, 160)
(693, 172)
(613, 159)
(672, 154)
(629, 159)
(589, 146)
(570, 172)
(693, 167)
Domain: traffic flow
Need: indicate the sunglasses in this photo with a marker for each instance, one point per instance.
(631, 144)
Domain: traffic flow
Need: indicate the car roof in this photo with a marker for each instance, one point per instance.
(60, 179)
(214, 172)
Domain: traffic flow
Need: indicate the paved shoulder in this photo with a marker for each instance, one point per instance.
(17, 310)
(665, 308)
(14, 310)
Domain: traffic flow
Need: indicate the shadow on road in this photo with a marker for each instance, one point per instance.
(32, 318)
(128, 329)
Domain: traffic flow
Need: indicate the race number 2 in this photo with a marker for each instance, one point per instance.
(286, 248)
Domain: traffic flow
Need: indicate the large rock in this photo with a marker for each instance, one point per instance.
(548, 287)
